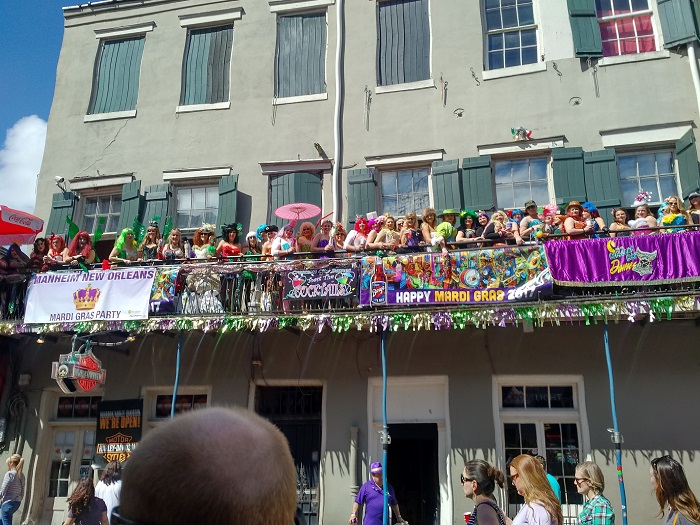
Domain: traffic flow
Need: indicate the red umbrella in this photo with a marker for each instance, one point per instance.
(297, 211)
(18, 226)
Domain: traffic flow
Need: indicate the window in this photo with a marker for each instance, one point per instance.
(183, 403)
(78, 407)
(543, 417)
(196, 205)
(403, 47)
(653, 172)
(521, 180)
(206, 66)
(300, 57)
(293, 187)
(107, 206)
(116, 79)
(626, 26)
(511, 33)
(404, 191)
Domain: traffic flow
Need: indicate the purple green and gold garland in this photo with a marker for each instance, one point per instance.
(538, 314)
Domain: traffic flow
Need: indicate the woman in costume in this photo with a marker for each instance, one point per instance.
(597, 509)
(80, 250)
(151, 242)
(201, 242)
(323, 237)
(541, 504)
(574, 224)
(409, 236)
(356, 241)
(466, 233)
(478, 480)
(41, 250)
(15, 259)
(674, 214)
(284, 244)
(305, 238)
(592, 217)
(54, 257)
(388, 238)
(174, 248)
(673, 492)
(643, 220)
(337, 239)
(619, 227)
(229, 245)
(500, 230)
(125, 248)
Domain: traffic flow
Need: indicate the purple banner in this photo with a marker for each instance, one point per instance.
(470, 276)
(324, 283)
(641, 259)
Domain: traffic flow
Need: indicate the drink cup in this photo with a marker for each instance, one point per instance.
(467, 517)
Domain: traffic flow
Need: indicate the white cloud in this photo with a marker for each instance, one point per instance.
(20, 162)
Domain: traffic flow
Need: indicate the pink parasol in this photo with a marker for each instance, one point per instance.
(297, 211)
(18, 226)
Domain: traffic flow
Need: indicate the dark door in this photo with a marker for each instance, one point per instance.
(413, 471)
(297, 413)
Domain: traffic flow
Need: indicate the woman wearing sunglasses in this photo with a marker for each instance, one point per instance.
(673, 492)
(597, 510)
(541, 505)
(478, 481)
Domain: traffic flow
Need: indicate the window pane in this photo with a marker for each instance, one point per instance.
(627, 167)
(529, 37)
(528, 434)
(664, 163)
(668, 188)
(496, 60)
(629, 189)
(521, 194)
(502, 172)
(561, 396)
(212, 197)
(90, 206)
(198, 198)
(405, 182)
(512, 58)
(538, 169)
(89, 223)
(388, 183)
(116, 205)
(493, 20)
(495, 42)
(536, 397)
(521, 171)
(640, 5)
(184, 199)
(511, 435)
(525, 14)
(513, 397)
(529, 55)
(510, 17)
(539, 192)
(420, 182)
(492, 4)
(112, 223)
(512, 40)
(621, 6)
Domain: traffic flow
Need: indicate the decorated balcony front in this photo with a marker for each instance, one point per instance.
(650, 276)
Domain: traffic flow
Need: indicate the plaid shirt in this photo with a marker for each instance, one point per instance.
(597, 511)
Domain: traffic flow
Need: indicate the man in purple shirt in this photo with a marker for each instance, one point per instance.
(372, 496)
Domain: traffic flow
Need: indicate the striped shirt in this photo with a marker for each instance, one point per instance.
(12, 487)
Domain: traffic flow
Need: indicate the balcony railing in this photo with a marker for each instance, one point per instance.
(645, 266)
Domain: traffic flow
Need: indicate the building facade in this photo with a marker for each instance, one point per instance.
(222, 110)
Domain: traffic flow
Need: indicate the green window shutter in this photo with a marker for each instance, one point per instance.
(132, 203)
(300, 57)
(446, 190)
(477, 183)
(687, 156)
(206, 68)
(116, 78)
(585, 29)
(228, 199)
(361, 193)
(677, 22)
(157, 199)
(62, 206)
(569, 181)
(293, 187)
(602, 180)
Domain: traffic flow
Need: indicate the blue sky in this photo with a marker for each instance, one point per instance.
(30, 42)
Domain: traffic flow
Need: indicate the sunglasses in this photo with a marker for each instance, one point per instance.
(463, 480)
(578, 481)
(514, 477)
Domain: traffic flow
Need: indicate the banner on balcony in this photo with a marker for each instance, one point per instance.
(163, 291)
(119, 426)
(641, 259)
(97, 295)
(323, 283)
(493, 275)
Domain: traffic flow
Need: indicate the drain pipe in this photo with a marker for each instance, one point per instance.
(692, 58)
(337, 119)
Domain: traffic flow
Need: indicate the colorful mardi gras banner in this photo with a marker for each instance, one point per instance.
(492, 275)
(641, 259)
(322, 283)
(163, 299)
(97, 295)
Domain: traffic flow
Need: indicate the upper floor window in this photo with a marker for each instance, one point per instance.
(207, 65)
(293, 187)
(300, 57)
(196, 205)
(511, 33)
(654, 172)
(115, 85)
(101, 206)
(405, 191)
(520, 180)
(626, 26)
(403, 46)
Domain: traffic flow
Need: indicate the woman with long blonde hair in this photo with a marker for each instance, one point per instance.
(541, 505)
(12, 490)
(673, 492)
(590, 483)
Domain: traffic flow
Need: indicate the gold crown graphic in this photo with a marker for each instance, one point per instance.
(86, 298)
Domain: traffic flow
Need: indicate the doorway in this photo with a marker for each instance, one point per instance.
(413, 471)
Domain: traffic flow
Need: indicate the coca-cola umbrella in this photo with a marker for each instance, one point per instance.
(297, 211)
(18, 226)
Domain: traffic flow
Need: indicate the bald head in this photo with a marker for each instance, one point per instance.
(216, 466)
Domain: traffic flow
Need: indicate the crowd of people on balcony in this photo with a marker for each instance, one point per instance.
(433, 231)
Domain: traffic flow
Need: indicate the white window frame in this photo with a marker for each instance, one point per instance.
(659, 52)
(539, 65)
(539, 416)
(190, 184)
(150, 396)
(106, 191)
(656, 198)
(549, 177)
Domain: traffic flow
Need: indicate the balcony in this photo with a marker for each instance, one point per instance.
(649, 277)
